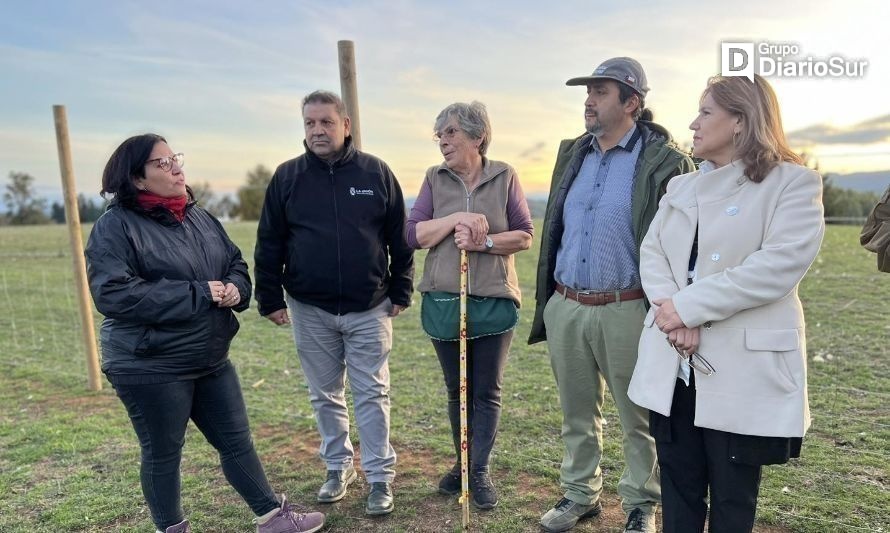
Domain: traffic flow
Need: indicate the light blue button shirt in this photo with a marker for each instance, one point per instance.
(598, 251)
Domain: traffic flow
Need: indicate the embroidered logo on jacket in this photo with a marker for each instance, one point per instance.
(361, 192)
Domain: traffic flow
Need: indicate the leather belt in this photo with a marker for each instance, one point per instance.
(599, 298)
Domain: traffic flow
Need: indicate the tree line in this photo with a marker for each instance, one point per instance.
(24, 206)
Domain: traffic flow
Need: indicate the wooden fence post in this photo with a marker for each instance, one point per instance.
(75, 237)
(349, 88)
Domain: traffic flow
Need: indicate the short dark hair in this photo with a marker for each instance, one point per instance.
(625, 92)
(325, 97)
(128, 162)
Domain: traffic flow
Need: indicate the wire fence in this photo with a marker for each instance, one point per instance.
(848, 221)
(845, 457)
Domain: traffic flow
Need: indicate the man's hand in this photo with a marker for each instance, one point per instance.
(396, 309)
(279, 318)
(666, 317)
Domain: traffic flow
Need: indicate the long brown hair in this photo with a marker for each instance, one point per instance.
(761, 143)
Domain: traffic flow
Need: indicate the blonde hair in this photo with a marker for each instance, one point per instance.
(760, 143)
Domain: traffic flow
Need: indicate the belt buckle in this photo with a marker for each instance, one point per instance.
(583, 296)
(594, 297)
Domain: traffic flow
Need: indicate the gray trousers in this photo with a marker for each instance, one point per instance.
(358, 345)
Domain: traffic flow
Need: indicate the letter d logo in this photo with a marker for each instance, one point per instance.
(737, 59)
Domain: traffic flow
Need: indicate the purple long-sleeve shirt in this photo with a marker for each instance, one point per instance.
(518, 215)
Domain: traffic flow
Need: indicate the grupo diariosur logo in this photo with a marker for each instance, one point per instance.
(784, 60)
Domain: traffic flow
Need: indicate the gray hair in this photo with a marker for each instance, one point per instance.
(326, 97)
(472, 118)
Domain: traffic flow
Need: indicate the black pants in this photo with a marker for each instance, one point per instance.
(694, 461)
(486, 360)
(160, 413)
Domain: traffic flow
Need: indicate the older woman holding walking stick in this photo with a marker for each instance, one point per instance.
(474, 204)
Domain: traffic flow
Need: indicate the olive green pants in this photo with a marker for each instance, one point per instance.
(593, 346)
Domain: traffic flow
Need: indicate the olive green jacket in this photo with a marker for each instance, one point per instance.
(660, 160)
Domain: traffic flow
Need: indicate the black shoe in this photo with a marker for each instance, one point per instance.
(449, 485)
(334, 488)
(484, 494)
(380, 499)
(640, 521)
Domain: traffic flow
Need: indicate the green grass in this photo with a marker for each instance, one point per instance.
(69, 459)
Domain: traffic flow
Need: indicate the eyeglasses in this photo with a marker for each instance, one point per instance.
(696, 361)
(448, 134)
(166, 163)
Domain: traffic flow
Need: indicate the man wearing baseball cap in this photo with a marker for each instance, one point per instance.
(589, 302)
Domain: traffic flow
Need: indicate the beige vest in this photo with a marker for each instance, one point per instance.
(490, 275)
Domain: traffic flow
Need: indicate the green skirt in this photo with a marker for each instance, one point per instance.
(440, 315)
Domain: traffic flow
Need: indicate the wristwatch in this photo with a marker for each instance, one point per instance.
(489, 244)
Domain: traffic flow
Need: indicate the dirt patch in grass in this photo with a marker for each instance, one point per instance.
(419, 508)
(33, 399)
(293, 466)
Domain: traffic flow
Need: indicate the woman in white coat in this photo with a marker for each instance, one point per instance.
(722, 356)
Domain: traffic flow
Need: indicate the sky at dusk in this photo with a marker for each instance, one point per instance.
(223, 80)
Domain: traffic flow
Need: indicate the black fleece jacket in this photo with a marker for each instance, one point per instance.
(332, 235)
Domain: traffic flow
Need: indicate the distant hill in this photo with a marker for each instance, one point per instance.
(537, 203)
(862, 181)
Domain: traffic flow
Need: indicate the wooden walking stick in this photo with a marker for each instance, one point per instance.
(464, 445)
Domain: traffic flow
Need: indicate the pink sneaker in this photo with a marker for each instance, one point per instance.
(182, 527)
(288, 521)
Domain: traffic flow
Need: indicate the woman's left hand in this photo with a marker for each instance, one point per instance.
(684, 340)
(463, 239)
(231, 297)
(666, 317)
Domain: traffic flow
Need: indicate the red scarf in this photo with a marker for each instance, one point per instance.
(149, 200)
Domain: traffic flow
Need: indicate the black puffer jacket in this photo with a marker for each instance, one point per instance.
(148, 275)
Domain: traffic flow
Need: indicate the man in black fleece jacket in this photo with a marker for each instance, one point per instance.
(331, 234)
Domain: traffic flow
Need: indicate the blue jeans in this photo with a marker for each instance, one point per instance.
(160, 413)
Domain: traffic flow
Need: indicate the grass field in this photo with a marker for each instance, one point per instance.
(69, 459)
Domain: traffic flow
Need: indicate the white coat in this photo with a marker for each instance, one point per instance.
(756, 242)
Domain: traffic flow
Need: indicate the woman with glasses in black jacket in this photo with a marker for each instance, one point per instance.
(167, 278)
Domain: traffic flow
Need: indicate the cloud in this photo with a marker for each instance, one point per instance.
(533, 152)
(871, 131)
